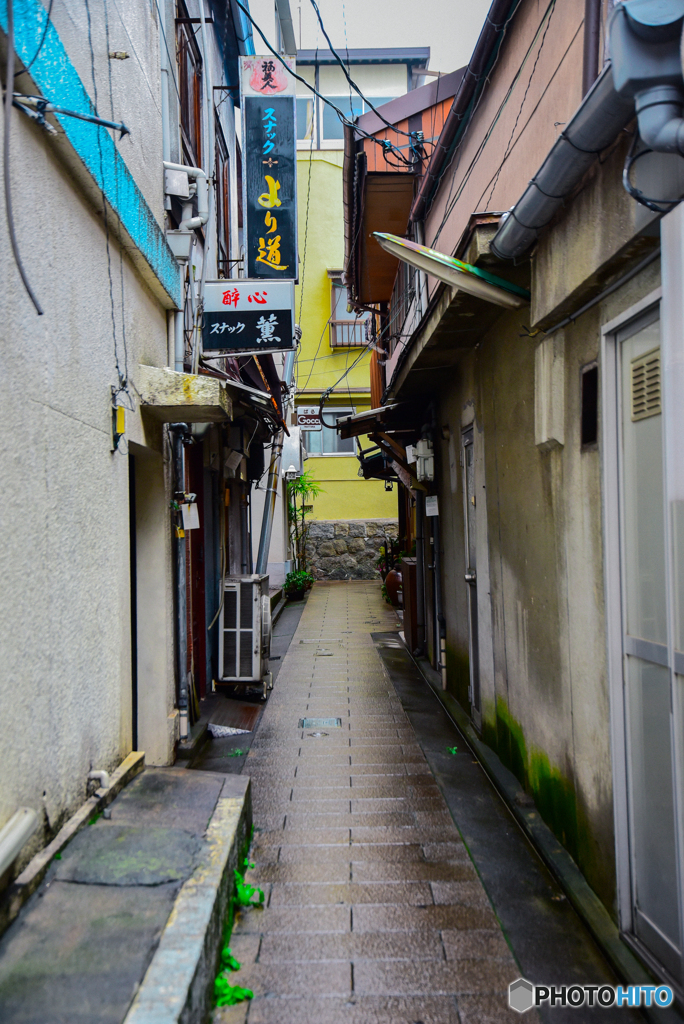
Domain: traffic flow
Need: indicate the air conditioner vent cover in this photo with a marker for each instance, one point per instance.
(646, 397)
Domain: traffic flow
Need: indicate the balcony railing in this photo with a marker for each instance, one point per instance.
(348, 333)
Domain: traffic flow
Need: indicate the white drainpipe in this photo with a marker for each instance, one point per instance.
(15, 835)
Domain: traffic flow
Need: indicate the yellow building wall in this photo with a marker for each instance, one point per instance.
(321, 246)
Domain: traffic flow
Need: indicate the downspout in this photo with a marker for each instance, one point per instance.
(420, 572)
(178, 431)
(592, 36)
(269, 505)
(439, 609)
(209, 171)
(481, 62)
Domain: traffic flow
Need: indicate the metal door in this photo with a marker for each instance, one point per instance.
(648, 657)
(470, 513)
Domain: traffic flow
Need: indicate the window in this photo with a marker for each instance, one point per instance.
(333, 129)
(327, 441)
(190, 89)
(589, 428)
(346, 330)
(222, 204)
(305, 118)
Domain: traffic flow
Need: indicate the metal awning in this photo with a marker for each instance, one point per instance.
(397, 418)
(464, 276)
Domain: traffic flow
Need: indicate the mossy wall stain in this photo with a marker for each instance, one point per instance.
(458, 674)
(553, 792)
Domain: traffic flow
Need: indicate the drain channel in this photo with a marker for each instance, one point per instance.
(320, 723)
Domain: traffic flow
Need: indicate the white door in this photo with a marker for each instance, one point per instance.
(649, 660)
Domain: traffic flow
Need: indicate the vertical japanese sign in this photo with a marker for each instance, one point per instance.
(269, 153)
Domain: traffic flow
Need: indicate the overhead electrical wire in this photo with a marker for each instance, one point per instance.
(352, 83)
(9, 94)
(384, 144)
(451, 201)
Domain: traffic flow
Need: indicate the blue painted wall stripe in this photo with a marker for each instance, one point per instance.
(60, 83)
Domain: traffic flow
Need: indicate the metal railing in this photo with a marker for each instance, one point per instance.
(348, 333)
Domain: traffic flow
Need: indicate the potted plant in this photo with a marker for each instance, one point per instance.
(297, 583)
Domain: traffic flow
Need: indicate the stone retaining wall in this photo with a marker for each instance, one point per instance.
(347, 549)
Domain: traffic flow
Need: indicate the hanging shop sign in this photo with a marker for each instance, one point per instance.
(269, 178)
(242, 317)
(309, 417)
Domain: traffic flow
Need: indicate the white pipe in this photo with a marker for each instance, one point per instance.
(166, 139)
(200, 178)
(99, 776)
(179, 340)
(15, 834)
(209, 163)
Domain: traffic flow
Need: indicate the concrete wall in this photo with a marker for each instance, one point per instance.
(66, 686)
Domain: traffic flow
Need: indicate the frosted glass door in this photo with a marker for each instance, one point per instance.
(648, 675)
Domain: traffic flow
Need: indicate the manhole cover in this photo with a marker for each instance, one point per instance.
(320, 723)
(317, 735)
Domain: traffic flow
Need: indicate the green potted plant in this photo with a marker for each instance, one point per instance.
(297, 583)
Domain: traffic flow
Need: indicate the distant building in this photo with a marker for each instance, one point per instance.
(333, 338)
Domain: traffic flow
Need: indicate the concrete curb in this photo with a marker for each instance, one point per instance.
(626, 965)
(178, 987)
(30, 878)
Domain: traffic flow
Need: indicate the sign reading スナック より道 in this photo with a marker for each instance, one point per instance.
(269, 154)
(243, 317)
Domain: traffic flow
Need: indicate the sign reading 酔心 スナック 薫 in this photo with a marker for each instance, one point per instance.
(248, 316)
(269, 154)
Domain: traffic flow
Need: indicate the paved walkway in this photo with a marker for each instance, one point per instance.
(374, 913)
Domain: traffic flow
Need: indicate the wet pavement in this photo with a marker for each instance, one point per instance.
(374, 911)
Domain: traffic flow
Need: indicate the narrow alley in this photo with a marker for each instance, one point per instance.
(397, 888)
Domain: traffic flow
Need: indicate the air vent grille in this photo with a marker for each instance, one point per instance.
(646, 400)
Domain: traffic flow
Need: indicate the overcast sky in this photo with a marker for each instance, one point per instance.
(449, 27)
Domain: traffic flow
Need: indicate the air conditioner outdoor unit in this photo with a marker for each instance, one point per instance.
(245, 632)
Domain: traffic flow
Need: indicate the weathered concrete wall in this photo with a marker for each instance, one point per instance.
(347, 549)
(545, 704)
(65, 685)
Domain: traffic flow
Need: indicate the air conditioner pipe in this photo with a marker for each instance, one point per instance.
(15, 835)
(200, 178)
(602, 114)
(269, 505)
(101, 777)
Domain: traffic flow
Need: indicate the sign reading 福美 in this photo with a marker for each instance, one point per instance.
(243, 317)
(309, 417)
(269, 154)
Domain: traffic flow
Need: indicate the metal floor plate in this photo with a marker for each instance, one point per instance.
(320, 723)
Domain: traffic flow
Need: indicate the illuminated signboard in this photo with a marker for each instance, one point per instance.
(309, 417)
(248, 317)
(269, 148)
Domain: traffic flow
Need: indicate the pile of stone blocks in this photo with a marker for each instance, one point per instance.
(347, 549)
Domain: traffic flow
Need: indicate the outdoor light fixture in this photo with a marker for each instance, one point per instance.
(463, 276)
(291, 473)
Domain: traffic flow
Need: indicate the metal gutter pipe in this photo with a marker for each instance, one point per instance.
(286, 26)
(269, 506)
(420, 572)
(179, 430)
(484, 55)
(210, 163)
(602, 114)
